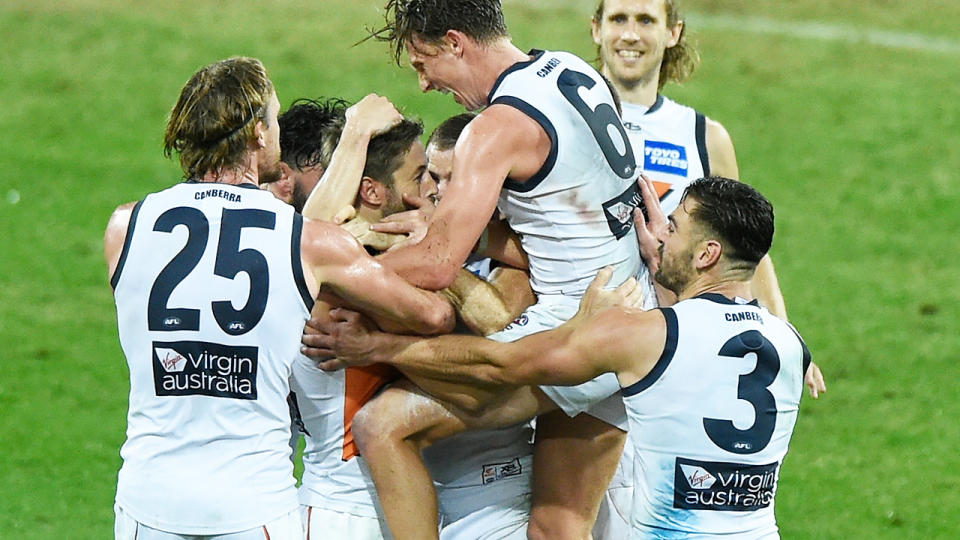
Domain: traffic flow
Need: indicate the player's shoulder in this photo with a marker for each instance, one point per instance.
(323, 242)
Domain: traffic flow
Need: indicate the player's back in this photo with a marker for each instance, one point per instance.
(574, 216)
(712, 422)
(211, 300)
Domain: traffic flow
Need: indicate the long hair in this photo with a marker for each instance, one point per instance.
(679, 61)
(213, 121)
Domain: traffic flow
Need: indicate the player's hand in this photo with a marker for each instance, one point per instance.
(628, 294)
(814, 380)
(649, 230)
(372, 115)
(345, 214)
(412, 223)
(346, 335)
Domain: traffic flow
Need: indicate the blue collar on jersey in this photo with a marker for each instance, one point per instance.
(721, 299)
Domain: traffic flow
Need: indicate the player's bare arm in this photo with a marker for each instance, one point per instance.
(488, 306)
(115, 235)
(500, 243)
(338, 186)
(500, 142)
(341, 264)
(720, 152)
(631, 341)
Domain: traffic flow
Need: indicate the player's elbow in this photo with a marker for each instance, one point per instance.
(434, 317)
(438, 276)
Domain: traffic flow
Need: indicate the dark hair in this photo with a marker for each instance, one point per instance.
(429, 20)
(215, 115)
(385, 151)
(445, 136)
(310, 130)
(679, 61)
(736, 212)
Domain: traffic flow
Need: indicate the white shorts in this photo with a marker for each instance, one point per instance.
(286, 527)
(599, 397)
(323, 524)
(506, 520)
(613, 520)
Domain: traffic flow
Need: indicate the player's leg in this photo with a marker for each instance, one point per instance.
(393, 428)
(574, 460)
(322, 523)
(613, 520)
(286, 527)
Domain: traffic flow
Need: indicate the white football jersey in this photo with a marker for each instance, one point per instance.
(711, 423)
(669, 140)
(574, 216)
(211, 301)
(335, 477)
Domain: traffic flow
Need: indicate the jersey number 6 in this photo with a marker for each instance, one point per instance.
(603, 121)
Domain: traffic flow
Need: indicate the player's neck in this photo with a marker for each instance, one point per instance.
(732, 287)
(638, 92)
(369, 214)
(499, 57)
(232, 176)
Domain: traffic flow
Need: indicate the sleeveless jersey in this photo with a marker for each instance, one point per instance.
(574, 216)
(669, 140)
(712, 422)
(334, 475)
(211, 301)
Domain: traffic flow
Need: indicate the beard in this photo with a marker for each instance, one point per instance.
(300, 196)
(268, 175)
(674, 272)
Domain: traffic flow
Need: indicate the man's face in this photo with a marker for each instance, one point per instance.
(268, 163)
(677, 249)
(633, 35)
(440, 168)
(439, 68)
(407, 179)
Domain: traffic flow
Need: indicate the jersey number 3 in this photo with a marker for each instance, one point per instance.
(753, 387)
(230, 261)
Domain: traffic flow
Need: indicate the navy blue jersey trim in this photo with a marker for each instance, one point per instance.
(807, 357)
(656, 105)
(669, 349)
(701, 134)
(721, 299)
(297, 264)
(126, 246)
(535, 55)
(245, 185)
(547, 126)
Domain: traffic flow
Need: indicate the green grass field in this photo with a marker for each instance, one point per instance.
(855, 142)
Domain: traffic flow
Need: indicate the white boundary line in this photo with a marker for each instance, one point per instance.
(792, 29)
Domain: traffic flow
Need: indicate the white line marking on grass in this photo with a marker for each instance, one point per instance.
(793, 29)
(827, 32)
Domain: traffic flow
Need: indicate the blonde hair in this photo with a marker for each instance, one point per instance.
(214, 119)
(679, 61)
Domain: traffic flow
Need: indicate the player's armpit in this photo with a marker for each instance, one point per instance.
(115, 235)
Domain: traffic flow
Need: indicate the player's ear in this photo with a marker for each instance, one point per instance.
(372, 193)
(675, 32)
(455, 41)
(708, 254)
(595, 30)
(260, 131)
(286, 171)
